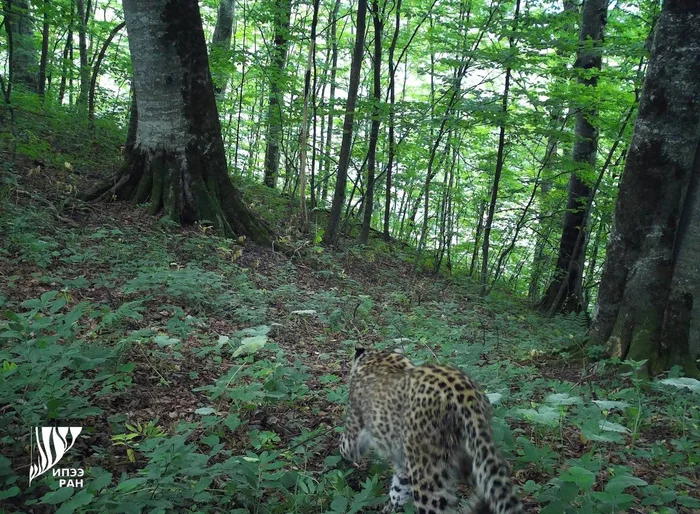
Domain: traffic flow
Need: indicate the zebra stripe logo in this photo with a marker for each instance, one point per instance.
(52, 444)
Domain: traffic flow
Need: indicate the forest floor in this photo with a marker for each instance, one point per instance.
(209, 375)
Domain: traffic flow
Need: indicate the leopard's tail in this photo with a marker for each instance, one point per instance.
(491, 473)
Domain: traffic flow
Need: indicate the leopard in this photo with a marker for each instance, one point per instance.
(433, 423)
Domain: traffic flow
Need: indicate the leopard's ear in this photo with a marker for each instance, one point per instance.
(359, 352)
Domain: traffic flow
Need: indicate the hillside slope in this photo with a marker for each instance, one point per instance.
(208, 374)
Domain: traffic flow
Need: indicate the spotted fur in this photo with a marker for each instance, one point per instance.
(434, 424)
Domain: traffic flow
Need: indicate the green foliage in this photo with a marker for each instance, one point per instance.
(255, 432)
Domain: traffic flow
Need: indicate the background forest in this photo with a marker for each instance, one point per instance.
(510, 186)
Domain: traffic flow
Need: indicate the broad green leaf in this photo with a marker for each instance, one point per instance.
(611, 404)
(84, 497)
(545, 415)
(609, 426)
(618, 484)
(9, 493)
(683, 383)
(58, 496)
(339, 504)
(250, 345)
(563, 399)
(494, 398)
(582, 477)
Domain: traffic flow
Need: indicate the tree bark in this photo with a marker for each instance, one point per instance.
(283, 14)
(221, 45)
(24, 59)
(241, 91)
(41, 80)
(392, 122)
(83, 17)
(649, 295)
(67, 50)
(445, 224)
(331, 100)
(374, 131)
(564, 293)
(331, 235)
(305, 119)
(481, 210)
(177, 161)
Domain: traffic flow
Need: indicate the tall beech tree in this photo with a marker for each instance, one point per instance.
(649, 300)
(177, 161)
(564, 292)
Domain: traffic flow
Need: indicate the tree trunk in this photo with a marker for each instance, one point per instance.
(499, 166)
(331, 100)
(568, 275)
(41, 81)
(178, 161)
(24, 59)
(241, 91)
(374, 131)
(71, 60)
(133, 123)
(221, 45)
(648, 304)
(64, 61)
(392, 122)
(445, 230)
(590, 273)
(331, 234)
(305, 119)
(477, 238)
(283, 14)
(83, 16)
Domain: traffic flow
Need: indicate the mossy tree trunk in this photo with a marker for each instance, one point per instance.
(177, 161)
(649, 300)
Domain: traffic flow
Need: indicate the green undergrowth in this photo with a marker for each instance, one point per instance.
(55, 138)
(208, 375)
